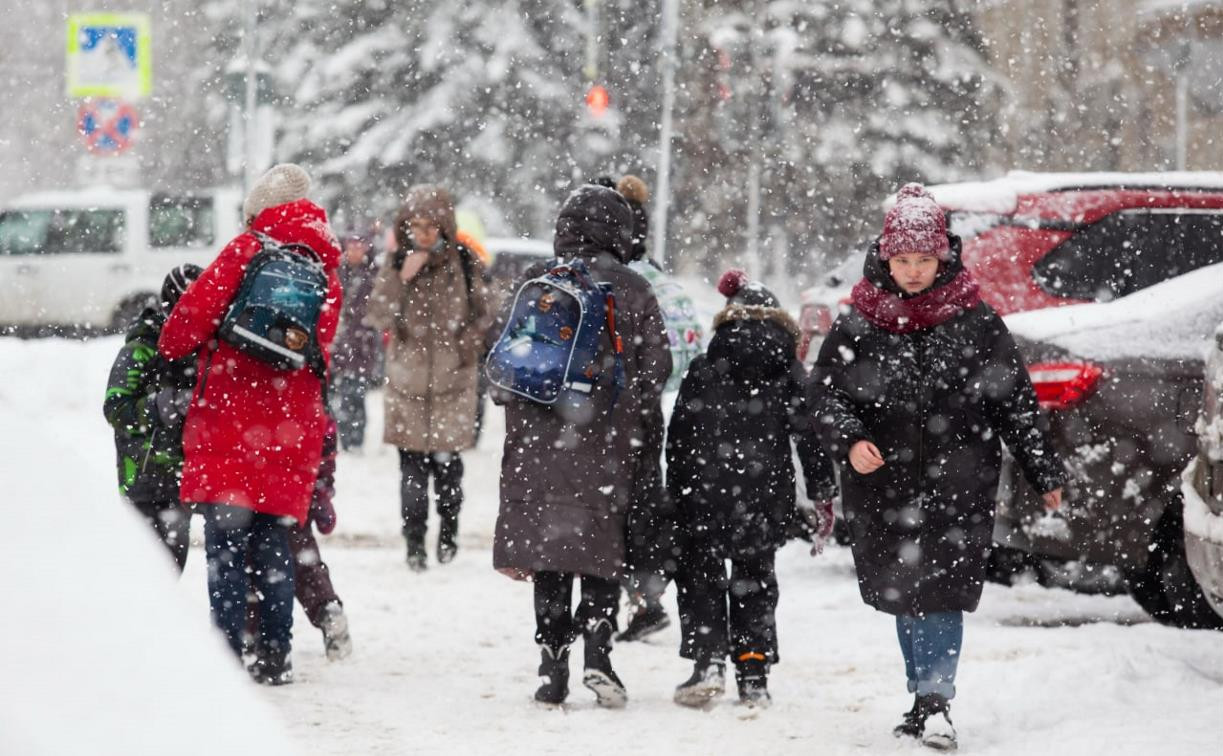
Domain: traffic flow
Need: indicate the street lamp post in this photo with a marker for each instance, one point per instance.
(670, 30)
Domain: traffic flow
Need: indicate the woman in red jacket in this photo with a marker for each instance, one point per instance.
(254, 435)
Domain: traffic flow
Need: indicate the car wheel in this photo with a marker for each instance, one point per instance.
(1166, 588)
(1007, 564)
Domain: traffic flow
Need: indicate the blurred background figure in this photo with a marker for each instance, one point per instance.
(356, 361)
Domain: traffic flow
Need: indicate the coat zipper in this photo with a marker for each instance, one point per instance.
(148, 452)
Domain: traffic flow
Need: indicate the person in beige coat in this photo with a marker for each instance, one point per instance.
(431, 298)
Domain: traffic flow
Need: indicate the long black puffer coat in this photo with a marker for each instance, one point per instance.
(936, 402)
(730, 467)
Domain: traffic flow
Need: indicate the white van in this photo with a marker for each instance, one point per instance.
(95, 257)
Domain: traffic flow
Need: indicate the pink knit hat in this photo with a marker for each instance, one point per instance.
(916, 224)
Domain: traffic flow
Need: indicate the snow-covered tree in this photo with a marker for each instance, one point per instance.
(848, 99)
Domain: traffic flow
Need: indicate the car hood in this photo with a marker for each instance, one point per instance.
(1173, 320)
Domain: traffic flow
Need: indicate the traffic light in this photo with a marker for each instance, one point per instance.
(597, 100)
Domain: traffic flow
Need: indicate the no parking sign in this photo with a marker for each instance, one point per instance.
(107, 126)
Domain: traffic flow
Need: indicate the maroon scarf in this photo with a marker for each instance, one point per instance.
(937, 305)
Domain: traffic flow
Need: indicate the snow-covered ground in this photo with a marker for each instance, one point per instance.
(445, 661)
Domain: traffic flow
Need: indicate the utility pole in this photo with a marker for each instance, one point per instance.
(662, 197)
(251, 44)
(756, 98)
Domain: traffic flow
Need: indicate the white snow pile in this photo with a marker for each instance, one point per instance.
(100, 653)
(1001, 195)
(1174, 319)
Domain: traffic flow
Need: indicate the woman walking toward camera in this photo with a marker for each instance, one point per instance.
(915, 388)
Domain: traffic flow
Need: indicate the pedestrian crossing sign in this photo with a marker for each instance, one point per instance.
(109, 55)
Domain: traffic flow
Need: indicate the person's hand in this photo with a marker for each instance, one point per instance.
(322, 513)
(411, 265)
(1053, 499)
(865, 457)
(822, 525)
(513, 573)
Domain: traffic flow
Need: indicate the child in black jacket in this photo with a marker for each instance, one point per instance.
(146, 404)
(731, 472)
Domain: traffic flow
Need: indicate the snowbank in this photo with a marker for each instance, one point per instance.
(1171, 320)
(100, 654)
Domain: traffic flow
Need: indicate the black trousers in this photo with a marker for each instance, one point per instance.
(348, 404)
(171, 523)
(721, 614)
(556, 624)
(415, 469)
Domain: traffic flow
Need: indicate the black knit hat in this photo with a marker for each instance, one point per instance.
(177, 281)
(741, 290)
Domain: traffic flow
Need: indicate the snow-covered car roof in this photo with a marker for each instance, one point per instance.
(1001, 195)
(1175, 319)
(101, 196)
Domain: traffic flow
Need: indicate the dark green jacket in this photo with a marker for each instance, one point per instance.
(148, 442)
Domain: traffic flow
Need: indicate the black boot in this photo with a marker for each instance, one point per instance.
(553, 675)
(599, 676)
(646, 619)
(912, 724)
(447, 538)
(752, 676)
(272, 667)
(708, 681)
(937, 731)
(416, 551)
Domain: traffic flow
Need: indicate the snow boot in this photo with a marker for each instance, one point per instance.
(708, 681)
(937, 731)
(645, 620)
(599, 675)
(336, 640)
(416, 552)
(272, 667)
(553, 675)
(752, 677)
(912, 724)
(447, 535)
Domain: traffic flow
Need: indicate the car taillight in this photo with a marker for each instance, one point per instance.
(1062, 385)
(813, 319)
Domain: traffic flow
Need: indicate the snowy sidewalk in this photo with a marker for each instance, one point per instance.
(444, 661)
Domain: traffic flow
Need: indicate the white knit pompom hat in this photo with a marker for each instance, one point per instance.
(282, 183)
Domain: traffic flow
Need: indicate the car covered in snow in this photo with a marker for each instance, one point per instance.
(94, 258)
(1036, 240)
(1122, 382)
(1202, 485)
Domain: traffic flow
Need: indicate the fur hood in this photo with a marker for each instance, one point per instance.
(756, 312)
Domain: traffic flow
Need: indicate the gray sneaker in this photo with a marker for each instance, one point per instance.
(336, 640)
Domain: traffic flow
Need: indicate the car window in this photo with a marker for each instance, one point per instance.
(181, 222)
(1129, 251)
(61, 232)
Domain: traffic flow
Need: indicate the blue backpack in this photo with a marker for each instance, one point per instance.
(274, 315)
(550, 350)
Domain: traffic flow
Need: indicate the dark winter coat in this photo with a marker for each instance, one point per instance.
(936, 401)
(729, 460)
(146, 402)
(566, 479)
(358, 348)
(254, 434)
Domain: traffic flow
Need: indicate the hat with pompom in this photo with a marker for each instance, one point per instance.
(915, 225)
(741, 290)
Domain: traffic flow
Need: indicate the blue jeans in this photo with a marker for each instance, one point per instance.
(248, 550)
(931, 647)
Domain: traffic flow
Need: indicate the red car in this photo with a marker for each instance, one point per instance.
(1035, 240)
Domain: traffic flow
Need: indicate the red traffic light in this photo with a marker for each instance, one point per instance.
(597, 100)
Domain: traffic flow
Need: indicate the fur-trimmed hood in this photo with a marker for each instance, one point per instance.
(756, 312)
(753, 342)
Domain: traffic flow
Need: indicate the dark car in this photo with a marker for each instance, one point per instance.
(1122, 382)
(511, 258)
(1202, 485)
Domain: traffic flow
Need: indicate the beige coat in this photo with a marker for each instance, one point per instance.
(437, 326)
